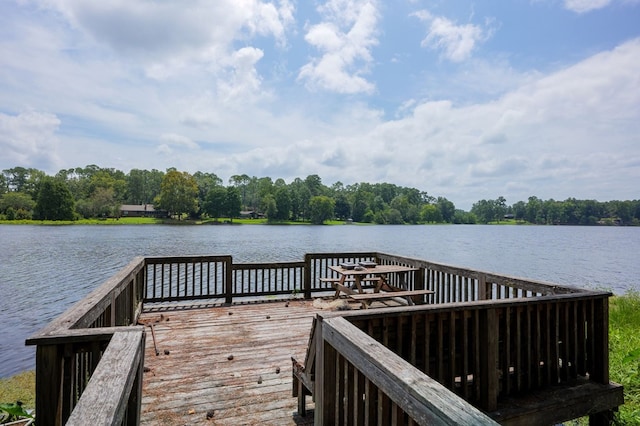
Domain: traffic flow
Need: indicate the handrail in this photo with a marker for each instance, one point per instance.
(113, 394)
(421, 398)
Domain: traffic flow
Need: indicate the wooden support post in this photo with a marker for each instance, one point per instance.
(319, 416)
(600, 371)
(306, 276)
(228, 281)
(48, 385)
(489, 329)
(484, 290)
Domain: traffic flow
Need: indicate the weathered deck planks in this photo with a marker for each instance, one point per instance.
(252, 388)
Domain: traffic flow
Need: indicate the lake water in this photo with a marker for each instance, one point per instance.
(45, 269)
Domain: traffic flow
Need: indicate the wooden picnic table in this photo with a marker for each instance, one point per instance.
(376, 275)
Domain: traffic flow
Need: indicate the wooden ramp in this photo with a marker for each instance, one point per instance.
(233, 362)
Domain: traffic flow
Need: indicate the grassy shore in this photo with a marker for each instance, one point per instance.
(624, 353)
(624, 361)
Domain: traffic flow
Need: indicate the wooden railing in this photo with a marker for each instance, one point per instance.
(360, 382)
(71, 347)
(482, 352)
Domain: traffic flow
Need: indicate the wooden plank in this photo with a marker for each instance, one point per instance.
(262, 337)
(388, 294)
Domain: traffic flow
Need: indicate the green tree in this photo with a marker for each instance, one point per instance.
(54, 201)
(4, 185)
(430, 214)
(232, 202)
(178, 193)
(519, 210)
(447, 209)
(343, 207)
(143, 186)
(321, 209)
(500, 207)
(315, 186)
(484, 210)
(16, 201)
(269, 208)
(214, 204)
(242, 182)
(394, 217)
(205, 182)
(401, 204)
(282, 200)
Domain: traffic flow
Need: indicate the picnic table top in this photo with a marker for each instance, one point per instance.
(377, 270)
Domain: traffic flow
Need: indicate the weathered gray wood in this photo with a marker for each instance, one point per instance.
(425, 400)
(80, 335)
(388, 294)
(558, 404)
(104, 402)
(48, 380)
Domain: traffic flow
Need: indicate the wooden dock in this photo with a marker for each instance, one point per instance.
(230, 361)
(203, 340)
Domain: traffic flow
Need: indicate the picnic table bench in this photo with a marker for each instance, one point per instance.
(367, 298)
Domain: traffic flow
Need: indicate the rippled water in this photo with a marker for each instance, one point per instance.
(45, 269)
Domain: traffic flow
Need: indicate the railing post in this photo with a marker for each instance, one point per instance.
(48, 385)
(489, 330)
(228, 281)
(325, 385)
(306, 280)
(600, 371)
(484, 291)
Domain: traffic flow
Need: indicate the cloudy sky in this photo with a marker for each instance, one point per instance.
(463, 99)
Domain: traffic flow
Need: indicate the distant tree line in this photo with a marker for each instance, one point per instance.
(551, 212)
(92, 191)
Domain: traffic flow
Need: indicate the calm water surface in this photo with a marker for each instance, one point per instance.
(45, 269)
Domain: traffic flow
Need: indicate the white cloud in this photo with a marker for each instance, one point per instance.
(582, 6)
(171, 40)
(242, 79)
(345, 39)
(456, 42)
(29, 139)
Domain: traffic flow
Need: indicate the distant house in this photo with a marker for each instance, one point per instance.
(250, 214)
(141, 210)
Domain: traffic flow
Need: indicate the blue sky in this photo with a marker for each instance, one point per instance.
(468, 100)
